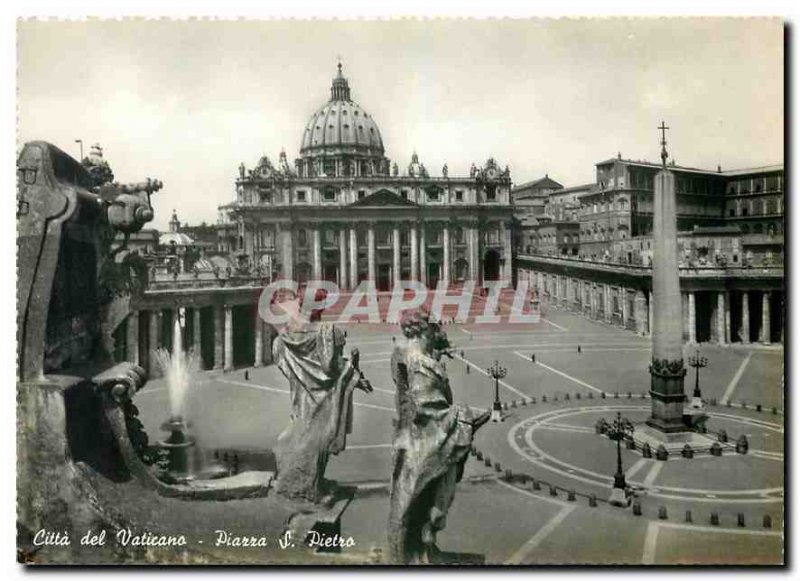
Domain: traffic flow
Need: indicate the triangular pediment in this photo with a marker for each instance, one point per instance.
(383, 198)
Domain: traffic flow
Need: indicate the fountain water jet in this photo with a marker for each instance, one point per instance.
(177, 368)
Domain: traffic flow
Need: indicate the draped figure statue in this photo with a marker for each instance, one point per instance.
(431, 442)
(321, 384)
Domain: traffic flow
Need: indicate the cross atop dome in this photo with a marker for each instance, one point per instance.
(340, 90)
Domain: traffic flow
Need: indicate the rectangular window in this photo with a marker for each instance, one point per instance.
(404, 194)
(329, 196)
(361, 194)
(459, 196)
(301, 195)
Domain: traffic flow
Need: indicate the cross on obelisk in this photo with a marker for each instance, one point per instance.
(664, 154)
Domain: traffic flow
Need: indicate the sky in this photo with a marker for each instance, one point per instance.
(187, 101)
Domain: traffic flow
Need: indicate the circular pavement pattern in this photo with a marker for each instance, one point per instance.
(522, 437)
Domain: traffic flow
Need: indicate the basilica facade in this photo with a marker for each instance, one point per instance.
(343, 212)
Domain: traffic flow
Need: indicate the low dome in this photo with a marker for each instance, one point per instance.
(341, 126)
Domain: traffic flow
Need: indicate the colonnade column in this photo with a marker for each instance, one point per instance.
(623, 294)
(219, 334)
(155, 340)
(728, 334)
(396, 274)
(197, 336)
(132, 338)
(423, 255)
(650, 312)
(412, 232)
(259, 330)
(371, 253)
(745, 318)
(692, 319)
(228, 338)
(316, 267)
(446, 255)
(721, 318)
(765, 319)
(640, 312)
(568, 292)
(342, 258)
(607, 303)
(353, 258)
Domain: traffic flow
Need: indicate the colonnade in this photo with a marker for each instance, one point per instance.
(717, 316)
(207, 331)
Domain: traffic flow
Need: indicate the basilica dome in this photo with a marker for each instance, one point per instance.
(341, 126)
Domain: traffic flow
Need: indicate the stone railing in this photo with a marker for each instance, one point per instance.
(196, 283)
(706, 270)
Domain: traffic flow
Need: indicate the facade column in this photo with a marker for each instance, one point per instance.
(592, 300)
(219, 336)
(197, 336)
(423, 255)
(353, 258)
(765, 319)
(412, 233)
(745, 318)
(287, 233)
(396, 272)
(228, 338)
(721, 318)
(650, 313)
(259, 330)
(607, 303)
(692, 319)
(132, 338)
(371, 253)
(316, 266)
(342, 259)
(446, 255)
(505, 232)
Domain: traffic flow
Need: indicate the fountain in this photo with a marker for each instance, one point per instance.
(177, 368)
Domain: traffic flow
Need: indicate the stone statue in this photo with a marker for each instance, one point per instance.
(241, 171)
(444, 171)
(321, 384)
(395, 169)
(472, 170)
(431, 442)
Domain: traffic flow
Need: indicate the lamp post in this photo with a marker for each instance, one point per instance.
(698, 363)
(497, 372)
(618, 430)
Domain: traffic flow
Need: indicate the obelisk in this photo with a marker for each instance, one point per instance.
(667, 370)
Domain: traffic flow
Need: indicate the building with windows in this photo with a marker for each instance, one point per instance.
(730, 250)
(343, 212)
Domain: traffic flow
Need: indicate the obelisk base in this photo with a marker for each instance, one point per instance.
(667, 396)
